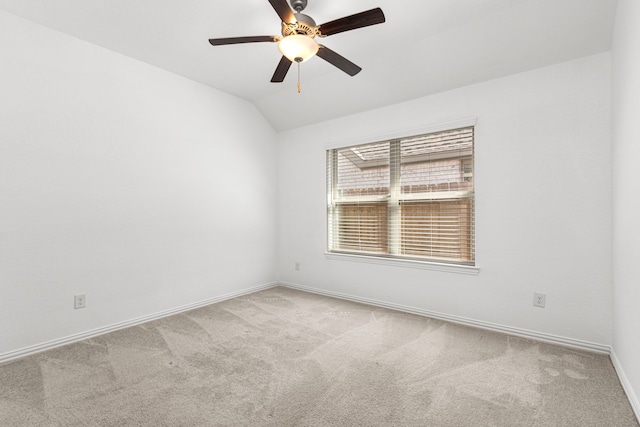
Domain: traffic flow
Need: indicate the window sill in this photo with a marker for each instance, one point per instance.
(408, 263)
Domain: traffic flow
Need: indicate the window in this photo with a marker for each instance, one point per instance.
(409, 198)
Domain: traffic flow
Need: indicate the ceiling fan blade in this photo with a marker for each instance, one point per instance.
(359, 20)
(237, 40)
(338, 60)
(281, 70)
(283, 10)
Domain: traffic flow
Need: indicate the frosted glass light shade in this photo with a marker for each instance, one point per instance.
(298, 46)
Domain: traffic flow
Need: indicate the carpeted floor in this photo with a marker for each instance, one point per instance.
(282, 357)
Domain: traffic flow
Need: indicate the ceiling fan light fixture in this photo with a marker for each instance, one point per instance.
(298, 47)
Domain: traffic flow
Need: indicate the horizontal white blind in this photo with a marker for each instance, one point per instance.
(360, 191)
(411, 197)
(363, 171)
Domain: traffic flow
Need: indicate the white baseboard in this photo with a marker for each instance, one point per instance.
(626, 384)
(5, 357)
(539, 336)
(582, 345)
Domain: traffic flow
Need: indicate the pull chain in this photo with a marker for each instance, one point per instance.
(298, 60)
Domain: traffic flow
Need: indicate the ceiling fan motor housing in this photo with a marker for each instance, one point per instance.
(304, 25)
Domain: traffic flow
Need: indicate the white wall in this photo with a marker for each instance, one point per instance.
(626, 195)
(147, 191)
(543, 209)
(137, 187)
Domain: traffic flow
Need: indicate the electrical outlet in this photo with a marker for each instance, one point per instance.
(297, 265)
(539, 300)
(79, 301)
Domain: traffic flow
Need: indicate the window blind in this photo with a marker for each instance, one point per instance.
(410, 198)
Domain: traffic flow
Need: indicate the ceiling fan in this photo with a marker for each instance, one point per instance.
(297, 43)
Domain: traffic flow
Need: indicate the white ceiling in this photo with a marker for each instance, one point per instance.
(425, 47)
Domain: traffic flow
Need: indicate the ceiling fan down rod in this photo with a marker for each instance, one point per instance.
(298, 5)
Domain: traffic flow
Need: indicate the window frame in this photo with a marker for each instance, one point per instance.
(388, 259)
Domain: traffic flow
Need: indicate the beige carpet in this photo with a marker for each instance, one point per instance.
(282, 357)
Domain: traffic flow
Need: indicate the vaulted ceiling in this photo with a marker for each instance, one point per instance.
(425, 46)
